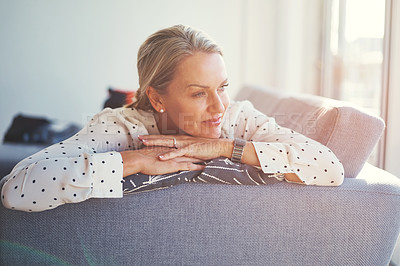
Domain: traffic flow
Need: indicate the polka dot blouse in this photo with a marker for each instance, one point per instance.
(89, 165)
(282, 150)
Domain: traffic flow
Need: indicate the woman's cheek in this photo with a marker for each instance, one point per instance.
(226, 100)
(187, 119)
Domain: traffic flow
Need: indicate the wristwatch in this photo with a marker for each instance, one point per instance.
(238, 147)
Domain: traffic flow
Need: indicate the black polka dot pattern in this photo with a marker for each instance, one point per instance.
(89, 165)
(72, 170)
(282, 150)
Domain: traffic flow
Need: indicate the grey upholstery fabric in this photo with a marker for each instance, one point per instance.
(203, 224)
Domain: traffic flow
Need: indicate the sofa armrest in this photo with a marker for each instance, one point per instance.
(201, 224)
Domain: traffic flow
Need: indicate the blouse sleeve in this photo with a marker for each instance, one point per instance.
(282, 150)
(87, 165)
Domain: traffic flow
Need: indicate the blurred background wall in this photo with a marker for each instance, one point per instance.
(57, 58)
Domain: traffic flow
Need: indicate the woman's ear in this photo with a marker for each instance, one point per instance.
(155, 99)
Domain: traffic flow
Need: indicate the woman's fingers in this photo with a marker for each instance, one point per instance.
(166, 142)
(172, 141)
(175, 154)
(188, 159)
(153, 137)
(153, 140)
(186, 146)
(195, 151)
(172, 166)
(158, 167)
(188, 166)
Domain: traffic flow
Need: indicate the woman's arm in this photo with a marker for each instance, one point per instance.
(200, 148)
(146, 161)
(51, 178)
(275, 149)
(90, 164)
(84, 166)
(250, 157)
(282, 150)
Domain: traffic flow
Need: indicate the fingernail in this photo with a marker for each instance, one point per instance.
(196, 167)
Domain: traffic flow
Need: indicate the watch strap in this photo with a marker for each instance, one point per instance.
(238, 147)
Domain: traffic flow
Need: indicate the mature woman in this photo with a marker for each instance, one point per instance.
(182, 116)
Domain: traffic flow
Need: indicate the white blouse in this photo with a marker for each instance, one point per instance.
(89, 165)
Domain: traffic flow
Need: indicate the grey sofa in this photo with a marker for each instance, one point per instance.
(203, 224)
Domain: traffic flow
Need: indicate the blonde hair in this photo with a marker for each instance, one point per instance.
(159, 56)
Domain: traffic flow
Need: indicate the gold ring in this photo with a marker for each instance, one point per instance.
(175, 143)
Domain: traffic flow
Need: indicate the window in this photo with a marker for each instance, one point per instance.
(353, 55)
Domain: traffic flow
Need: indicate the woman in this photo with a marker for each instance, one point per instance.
(182, 116)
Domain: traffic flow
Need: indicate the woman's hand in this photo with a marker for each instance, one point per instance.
(147, 161)
(188, 146)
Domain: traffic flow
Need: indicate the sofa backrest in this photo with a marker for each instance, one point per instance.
(350, 132)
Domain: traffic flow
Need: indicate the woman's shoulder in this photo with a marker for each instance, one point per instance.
(241, 110)
(123, 115)
(237, 111)
(240, 107)
(124, 111)
(241, 119)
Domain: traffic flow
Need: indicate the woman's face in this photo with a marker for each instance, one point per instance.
(196, 99)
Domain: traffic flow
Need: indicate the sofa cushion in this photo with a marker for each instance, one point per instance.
(200, 224)
(118, 98)
(349, 131)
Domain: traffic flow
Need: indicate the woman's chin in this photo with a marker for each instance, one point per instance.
(214, 133)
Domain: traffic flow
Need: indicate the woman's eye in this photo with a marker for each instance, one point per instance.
(223, 87)
(199, 94)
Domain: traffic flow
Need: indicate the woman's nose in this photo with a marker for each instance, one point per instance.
(216, 105)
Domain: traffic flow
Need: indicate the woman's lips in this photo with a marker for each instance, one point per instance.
(213, 121)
